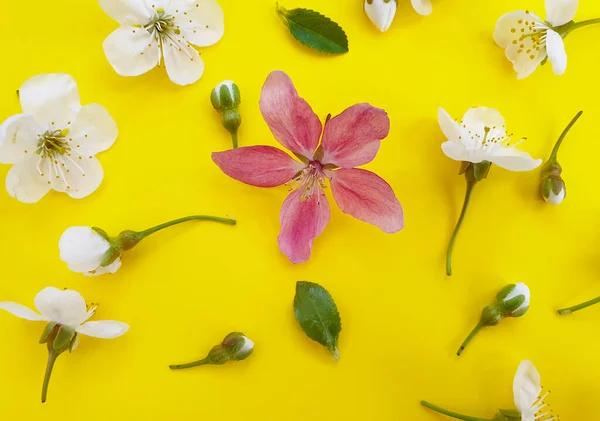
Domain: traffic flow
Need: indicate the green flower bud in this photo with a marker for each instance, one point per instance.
(553, 189)
(239, 346)
(226, 99)
(511, 301)
(235, 347)
(226, 96)
(552, 186)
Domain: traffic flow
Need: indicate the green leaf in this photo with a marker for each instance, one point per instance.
(317, 315)
(315, 30)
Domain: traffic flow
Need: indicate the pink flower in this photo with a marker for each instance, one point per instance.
(349, 140)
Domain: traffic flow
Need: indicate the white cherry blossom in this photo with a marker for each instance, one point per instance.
(529, 40)
(53, 142)
(155, 31)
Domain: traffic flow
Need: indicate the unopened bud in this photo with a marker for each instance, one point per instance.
(226, 99)
(235, 347)
(512, 301)
(381, 12)
(553, 189)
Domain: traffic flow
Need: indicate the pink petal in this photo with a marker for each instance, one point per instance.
(290, 118)
(353, 137)
(260, 166)
(301, 222)
(367, 197)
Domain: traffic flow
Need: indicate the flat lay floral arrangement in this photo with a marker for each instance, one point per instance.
(300, 210)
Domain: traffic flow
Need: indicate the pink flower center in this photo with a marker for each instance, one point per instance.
(311, 179)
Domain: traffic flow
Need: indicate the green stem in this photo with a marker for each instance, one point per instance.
(52, 356)
(470, 185)
(581, 24)
(143, 234)
(554, 154)
(203, 361)
(452, 414)
(234, 140)
(569, 310)
(474, 332)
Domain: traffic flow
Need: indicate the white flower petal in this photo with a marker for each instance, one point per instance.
(381, 13)
(458, 152)
(203, 25)
(21, 311)
(422, 7)
(24, 183)
(526, 386)
(559, 12)
(131, 51)
(18, 138)
(449, 126)
(514, 159)
(127, 11)
(103, 270)
(51, 98)
(82, 248)
(508, 27)
(106, 329)
(483, 117)
(184, 64)
(93, 131)
(82, 175)
(66, 307)
(557, 55)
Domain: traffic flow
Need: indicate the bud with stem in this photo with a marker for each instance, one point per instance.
(552, 185)
(235, 347)
(90, 250)
(512, 301)
(226, 99)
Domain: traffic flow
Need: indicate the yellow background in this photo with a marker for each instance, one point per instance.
(183, 289)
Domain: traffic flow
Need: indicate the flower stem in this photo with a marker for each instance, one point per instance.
(52, 356)
(470, 184)
(452, 414)
(569, 310)
(553, 156)
(474, 332)
(581, 24)
(203, 361)
(143, 234)
(234, 139)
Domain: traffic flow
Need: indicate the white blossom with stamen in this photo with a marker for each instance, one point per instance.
(155, 30)
(529, 41)
(527, 391)
(481, 136)
(53, 143)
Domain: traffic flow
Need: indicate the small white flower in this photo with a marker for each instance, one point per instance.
(528, 394)
(68, 308)
(160, 30)
(481, 136)
(528, 40)
(84, 251)
(67, 315)
(53, 142)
